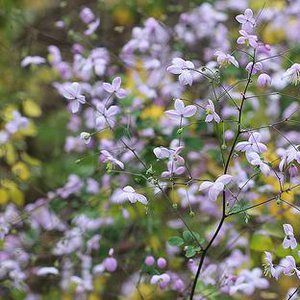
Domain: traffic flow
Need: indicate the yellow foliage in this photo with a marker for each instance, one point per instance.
(31, 109)
(15, 195)
(273, 35)
(145, 289)
(3, 196)
(21, 170)
(123, 16)
(152, 112)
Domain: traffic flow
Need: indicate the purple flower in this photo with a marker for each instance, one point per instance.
(183, 69)
(106, 156)
(288, 266)
(293, 74)
(289, 240)
(181, 111)
(87, 15)
(161, 263)
(256, 68)
(253, 144)
(115, 88)
(110, 264)
(215, 188)
(72, 92)
(104, 115)
(264, 80)
(149, 260)
(173, 169)
(211, 113)
(225, 59)
(247, 39)
(247, 20)
(130, 194)
(18, 122)
(92, 27)
(255, 160)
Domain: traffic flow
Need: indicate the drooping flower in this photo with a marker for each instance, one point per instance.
(86, 15)
(92, 27)
(288, 266)
(183, 68)
(248, 39)
(270, 267)
(252, 145)
(226, 59)
(106, 156)
(247, 20)
(293, 74)
(86, 137)
(130, 194)
(211, 113)
(257, 67)
(255, 160)
(215, 188)
(163, 280)
(72, 92)
(289, 240)
(264, 80)
(181, 111)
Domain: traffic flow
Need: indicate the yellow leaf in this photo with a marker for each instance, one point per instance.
(31, 109)
(3, 196)
(21, 170)
(16, 196)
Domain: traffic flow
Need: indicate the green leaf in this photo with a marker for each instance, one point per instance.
(189, 236)
(176, 241)
(190, 251)
(260, 242)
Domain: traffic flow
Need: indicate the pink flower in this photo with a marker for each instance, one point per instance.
(161, 263)
(72, 92)
(289, 240)
(115, 88)
(247, 20)
(110, 264)
(149, 260)
(226, 59)
(264, 80)
(163, 280)
(183, 69)
(181, 111)
(211, 113)
(215, 188)
(130, 194)
(247, 39)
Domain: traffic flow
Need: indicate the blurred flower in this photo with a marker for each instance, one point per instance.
(293, 74)
(264, 80)
(215, 188)
(211, 113)
(247, 39)
(115, 88)
(72, 92)
(181, 111)
(226, 59)
(183, 69)
(130, 194)
(247, 20)
(289, 240)
(32, 60)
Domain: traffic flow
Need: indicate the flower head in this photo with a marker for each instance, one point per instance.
(115, 88)
(289, 240)
(247, 20)
(130, 194)
(248, 39)
(182, 68)
(72, 92)
(211, 113)
(293, 74)
(226, 59)
(215, 188)
(181, 111)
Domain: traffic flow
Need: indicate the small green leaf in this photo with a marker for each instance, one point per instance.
(189, 236)
(176, 241)
(190, 251)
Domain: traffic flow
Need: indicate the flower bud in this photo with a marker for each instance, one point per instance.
(264, 80)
